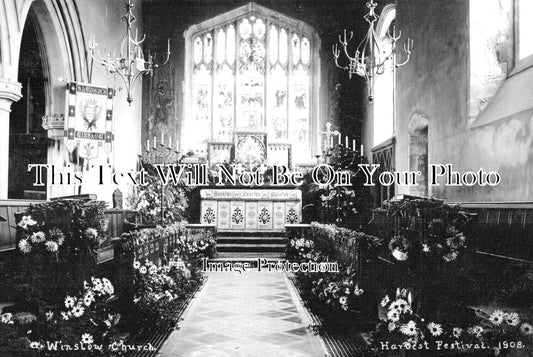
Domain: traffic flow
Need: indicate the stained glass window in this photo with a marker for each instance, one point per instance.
(253, 73)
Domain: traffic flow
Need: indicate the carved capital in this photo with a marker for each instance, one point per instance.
(9, 92)
(54, 124)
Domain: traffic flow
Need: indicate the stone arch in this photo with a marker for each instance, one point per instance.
(60, 38)
(418, 150)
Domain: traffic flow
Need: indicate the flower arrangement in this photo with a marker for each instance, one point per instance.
(83, 320)
(301, 249)
(401, 326)
(336, 292)
(160, 290)
(427, 228)
(58, 244)
(156, 202)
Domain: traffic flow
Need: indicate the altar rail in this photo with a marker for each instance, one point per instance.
(501, 229)
(158, 244)
(10, 209)
(342, 245)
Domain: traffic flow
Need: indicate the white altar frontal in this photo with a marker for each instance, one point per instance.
(250, 209)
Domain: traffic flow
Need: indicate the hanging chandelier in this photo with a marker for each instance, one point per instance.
(370, 59)
(130, 64)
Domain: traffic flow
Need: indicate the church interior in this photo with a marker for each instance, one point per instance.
(142, 145)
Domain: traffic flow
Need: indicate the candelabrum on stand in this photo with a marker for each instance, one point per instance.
(328, 145)
(369, 59)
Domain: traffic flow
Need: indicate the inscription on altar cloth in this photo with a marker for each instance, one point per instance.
(250, 209)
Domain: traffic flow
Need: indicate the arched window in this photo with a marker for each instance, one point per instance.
(384, 85)
(251, 69)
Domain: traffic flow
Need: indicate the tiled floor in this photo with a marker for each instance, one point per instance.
(251, 315)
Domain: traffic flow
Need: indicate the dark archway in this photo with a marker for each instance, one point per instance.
(28, 141)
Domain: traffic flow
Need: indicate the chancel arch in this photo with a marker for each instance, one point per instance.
(251, 70)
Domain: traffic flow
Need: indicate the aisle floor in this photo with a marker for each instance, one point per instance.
(254, 314)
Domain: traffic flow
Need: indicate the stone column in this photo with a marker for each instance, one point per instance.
(9, 92)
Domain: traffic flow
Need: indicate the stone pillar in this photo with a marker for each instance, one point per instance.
(9, 92)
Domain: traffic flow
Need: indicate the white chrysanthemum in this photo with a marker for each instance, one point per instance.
(435, 329)
(450, 256)
(78, 311)
(526, 329)
(7, 318)
(399, 255)
(343, 300)
(69, 302)
(108, 287)
(152, 270)
(393, 315)
(385, 301)
(142, 270)
(401, 305)
(357, 291)
(97, 285)
(512, 318)
(24, 246)
(26, 221)
(51, 246)
(87, 338)
(425, 248)
(91, 233)
(88, 299)
(38, 237)
(64, 315)
(136, 264)
(409, 328)
(457, 332)
(496, 317)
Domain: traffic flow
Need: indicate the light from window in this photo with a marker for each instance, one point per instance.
(250, 74)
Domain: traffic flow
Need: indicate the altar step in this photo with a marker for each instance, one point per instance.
(255, 245)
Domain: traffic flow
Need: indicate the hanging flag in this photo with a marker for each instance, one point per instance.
(89, 121)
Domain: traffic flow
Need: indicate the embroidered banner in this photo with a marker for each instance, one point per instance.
(89, 120)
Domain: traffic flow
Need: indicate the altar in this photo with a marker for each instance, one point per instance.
(251, 209)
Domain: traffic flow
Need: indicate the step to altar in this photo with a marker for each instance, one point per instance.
(232, 244)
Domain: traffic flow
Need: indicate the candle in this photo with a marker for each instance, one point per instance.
(353, 144)
(177, 144)
(147, 144)
(362, 149)
(170, 141)
(339, 137)
(346, 142)
(162, 138)
(155, 142)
